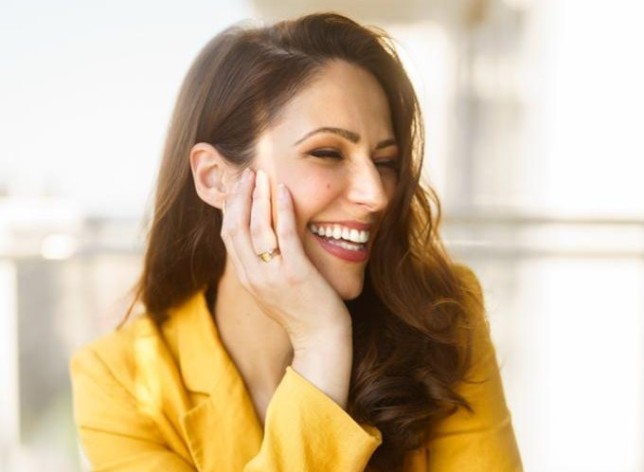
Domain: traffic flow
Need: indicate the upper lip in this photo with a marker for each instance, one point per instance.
(360, 226)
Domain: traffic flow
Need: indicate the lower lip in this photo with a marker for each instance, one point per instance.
(346, 254)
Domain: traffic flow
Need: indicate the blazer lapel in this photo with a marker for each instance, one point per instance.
(222, 431)
(157, 385)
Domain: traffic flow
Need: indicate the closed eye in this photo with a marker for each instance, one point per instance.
(326, 153)
(333, 154)
(391, 164)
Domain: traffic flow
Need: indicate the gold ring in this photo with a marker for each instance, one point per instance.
(268, 255)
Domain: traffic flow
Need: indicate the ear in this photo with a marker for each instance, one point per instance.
(213, 175)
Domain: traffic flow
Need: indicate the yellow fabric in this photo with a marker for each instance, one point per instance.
(172, 400)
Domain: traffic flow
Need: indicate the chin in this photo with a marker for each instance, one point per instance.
(348, 290)
(347, 282)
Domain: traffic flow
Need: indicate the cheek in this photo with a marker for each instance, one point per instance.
(310, 197)
(310, 194)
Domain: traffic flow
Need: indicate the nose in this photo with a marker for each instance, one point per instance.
(366, 186)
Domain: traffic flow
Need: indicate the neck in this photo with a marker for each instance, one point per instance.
(258, 345)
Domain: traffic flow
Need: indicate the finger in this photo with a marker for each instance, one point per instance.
(225, 233)
(261, 227)
(287, 237)
(235, 223)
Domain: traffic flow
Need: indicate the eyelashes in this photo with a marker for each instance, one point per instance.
(326, 153)
(332, 154)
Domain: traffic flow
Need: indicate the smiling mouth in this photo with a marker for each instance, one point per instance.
(345, 243)
(340, 233)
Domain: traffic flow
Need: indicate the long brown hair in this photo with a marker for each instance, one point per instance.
(409, 348)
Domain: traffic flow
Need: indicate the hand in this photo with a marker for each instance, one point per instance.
(288, 287)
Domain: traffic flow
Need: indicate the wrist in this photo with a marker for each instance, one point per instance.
(322, 339)
(326, 360)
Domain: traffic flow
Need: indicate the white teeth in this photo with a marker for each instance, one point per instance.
(347, 245)
(340, 232)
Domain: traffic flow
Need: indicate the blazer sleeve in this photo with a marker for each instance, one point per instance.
(115, 435)
(306, 430)
(483, 440)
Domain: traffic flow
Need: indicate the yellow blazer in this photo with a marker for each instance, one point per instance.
(172, 400)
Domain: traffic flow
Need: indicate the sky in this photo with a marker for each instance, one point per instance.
(86, 92)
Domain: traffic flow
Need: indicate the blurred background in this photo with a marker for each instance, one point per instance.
(534, 121)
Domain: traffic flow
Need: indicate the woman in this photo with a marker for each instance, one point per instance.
(300, 311)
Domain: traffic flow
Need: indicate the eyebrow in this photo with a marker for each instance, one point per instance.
(346, 134)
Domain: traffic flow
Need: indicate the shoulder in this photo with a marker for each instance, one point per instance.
(485, 429)
(119, 350)
(473, 298)
(119, 356)
(477, 327)
(468, 280)
(113, 353)
(470, 284)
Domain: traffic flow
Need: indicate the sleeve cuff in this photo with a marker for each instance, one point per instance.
(329, 411)
(307, 430)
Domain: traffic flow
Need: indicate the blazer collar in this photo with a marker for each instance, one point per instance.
(203, 359)
(224, 429)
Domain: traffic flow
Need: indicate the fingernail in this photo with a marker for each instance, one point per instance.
(248, 174)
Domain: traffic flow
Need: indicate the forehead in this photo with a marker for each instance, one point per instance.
(341, 95)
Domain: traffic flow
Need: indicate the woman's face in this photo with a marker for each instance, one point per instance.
(333, 147)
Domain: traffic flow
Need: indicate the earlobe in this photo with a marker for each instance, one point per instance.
(211, 173)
